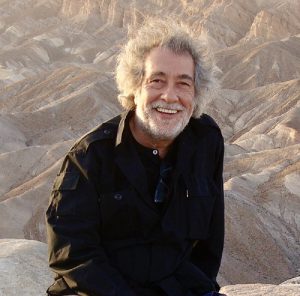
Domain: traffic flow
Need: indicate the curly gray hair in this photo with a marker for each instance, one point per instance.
(170, 34)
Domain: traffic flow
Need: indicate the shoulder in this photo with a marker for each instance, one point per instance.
(208, 133)
(105, 131)
(205, 123)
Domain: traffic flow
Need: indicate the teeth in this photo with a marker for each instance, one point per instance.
(170, 111)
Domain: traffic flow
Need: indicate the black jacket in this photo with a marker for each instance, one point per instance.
(106, 237)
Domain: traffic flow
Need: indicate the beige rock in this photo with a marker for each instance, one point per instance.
(292, 289)
(23, 268)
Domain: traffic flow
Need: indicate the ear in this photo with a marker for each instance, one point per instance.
(136, 96)
(134, 99)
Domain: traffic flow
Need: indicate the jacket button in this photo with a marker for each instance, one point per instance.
(118, 196)
(106, 132)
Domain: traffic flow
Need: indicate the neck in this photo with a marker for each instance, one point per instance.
(143, 138)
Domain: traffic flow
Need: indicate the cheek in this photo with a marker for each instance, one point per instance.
(149, 96)
(189, 102)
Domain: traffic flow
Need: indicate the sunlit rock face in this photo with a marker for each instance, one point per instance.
(23, 267)
(287, 288)
(56, 82)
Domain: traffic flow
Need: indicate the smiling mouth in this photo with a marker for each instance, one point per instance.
(168, 111)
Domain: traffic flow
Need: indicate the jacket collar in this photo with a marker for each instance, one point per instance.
(121, 128)
(130, 164)
(126, 157)
(186, 148)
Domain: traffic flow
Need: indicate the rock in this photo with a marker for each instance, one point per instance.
(23, 268)
(294, 281)
(288, 288)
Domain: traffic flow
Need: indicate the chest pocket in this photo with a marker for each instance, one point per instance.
(73, 196)
(119, 214)
(200, 198)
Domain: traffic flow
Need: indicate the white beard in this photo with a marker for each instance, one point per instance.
(149, 121)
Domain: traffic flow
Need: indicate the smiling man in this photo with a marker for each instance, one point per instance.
(165, 101)
(137, 208)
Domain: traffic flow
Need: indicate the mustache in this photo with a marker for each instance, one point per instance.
(172, 106)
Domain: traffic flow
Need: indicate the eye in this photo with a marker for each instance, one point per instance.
(156, 81)
(184, 83)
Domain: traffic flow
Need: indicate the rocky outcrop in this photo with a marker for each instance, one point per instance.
(23, 268)
(290, 288)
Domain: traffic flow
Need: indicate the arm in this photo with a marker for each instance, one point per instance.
(207, 253)
(73, 225)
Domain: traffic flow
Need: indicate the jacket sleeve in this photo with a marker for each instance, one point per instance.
(207, 254)
(73, 224)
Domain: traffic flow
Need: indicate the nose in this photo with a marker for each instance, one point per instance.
(169, 94)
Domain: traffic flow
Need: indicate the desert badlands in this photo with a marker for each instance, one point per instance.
(57, 62)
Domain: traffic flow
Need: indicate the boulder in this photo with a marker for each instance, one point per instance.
(288, 288)
(23, 268)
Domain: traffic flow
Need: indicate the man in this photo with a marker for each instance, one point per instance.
(137, 208)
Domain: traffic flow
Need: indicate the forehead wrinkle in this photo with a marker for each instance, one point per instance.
(163, 62)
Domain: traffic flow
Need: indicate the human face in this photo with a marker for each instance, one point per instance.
(165, 101)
